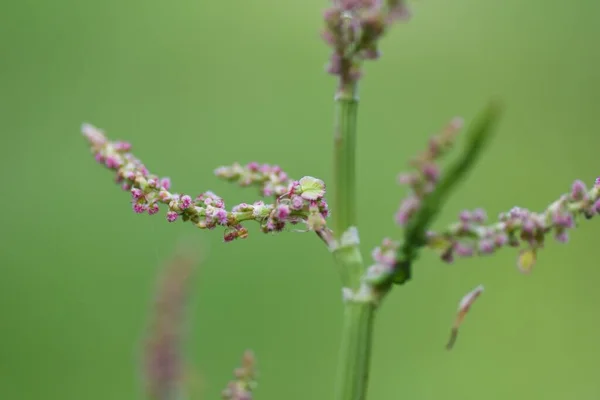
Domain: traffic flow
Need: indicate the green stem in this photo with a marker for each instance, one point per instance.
(354, 360)
(344, 159)
(359, 310)
(348, 259)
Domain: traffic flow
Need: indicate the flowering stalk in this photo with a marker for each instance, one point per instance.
(163, 362)
(352, 29)
(303, 201)
(518, 227)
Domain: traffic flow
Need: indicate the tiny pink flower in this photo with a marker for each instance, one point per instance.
(528, 226)
(501, 240)
(139, 207)
(465, 216)
(297, 202)
(283, 211)
(408, 207)
(165, 183)
(252, 166)
(112, 162)
(479, 215)
(463, 250)
(597, 205)
(578, 190)
(431, 172)
(221, 216)
(164, 196)
(122, 146)
(99, 157)
(137, 193)
(486, 246)
(186, 202)
(153, 209)
(153, 182)
(172, 216)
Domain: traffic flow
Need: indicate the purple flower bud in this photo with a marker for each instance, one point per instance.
(463, 250)
(253, 166)
(465, 216)
(186, 202)
(153, 182)
(136, 193)
(220, 215)
(165, 183)
(486, 246)
(153, 208)
(578, 190)
(172, 216)
(597, 206)
(431, 172)
(139, 208)
(113, 162)
(122, 147)
(407, 209)
(501, 240)
(597, 183)
(479, 215)
(283, 211)
(528, 226)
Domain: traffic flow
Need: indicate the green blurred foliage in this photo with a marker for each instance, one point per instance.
(197, 84)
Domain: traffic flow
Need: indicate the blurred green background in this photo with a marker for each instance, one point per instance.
(196, 84)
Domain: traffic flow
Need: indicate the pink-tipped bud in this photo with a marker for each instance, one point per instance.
(486, 246)
(283, 211)
(297, 202)
(113, 162)
(185, 202)
(221, 216)
(172, 216)
(479, 216)
(137, 193)
(431, 172)
(578, 190)
(139, 208)
(153, 209)
(465, 216)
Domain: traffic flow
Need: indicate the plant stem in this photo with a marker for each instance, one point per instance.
(344, 158)
(355, 352)
(344, 215)
(359, 311)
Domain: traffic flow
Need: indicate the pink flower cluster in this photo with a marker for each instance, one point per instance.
(385, 257)
(518, 227)
(271, 179)
(426, 173)
(244, 382)
(353, 29)
(297, 201)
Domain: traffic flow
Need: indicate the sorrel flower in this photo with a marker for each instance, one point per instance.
(301, 201)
